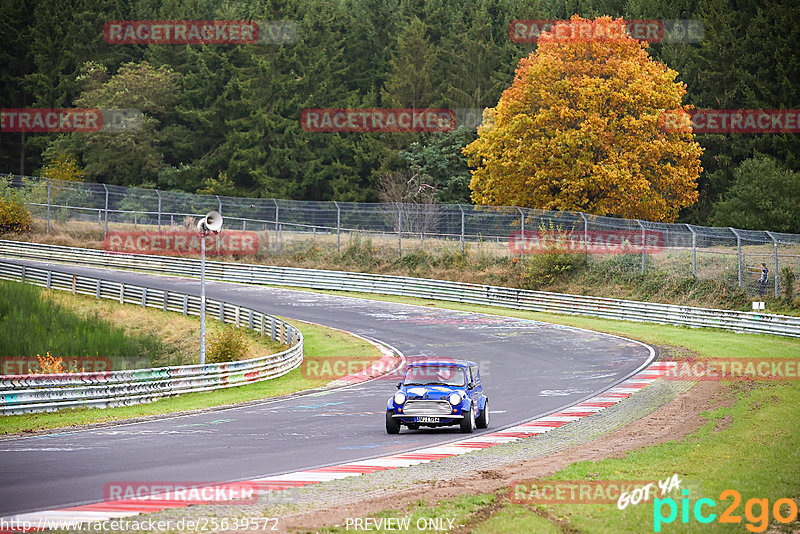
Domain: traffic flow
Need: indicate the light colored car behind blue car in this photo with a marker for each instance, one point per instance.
(440, 392)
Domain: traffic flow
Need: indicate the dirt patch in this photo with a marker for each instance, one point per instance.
(672, 421)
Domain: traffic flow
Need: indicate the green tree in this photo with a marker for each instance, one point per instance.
(764, 196)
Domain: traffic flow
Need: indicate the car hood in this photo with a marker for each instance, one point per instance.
(429, 392)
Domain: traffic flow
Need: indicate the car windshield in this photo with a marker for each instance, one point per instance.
(448, 375)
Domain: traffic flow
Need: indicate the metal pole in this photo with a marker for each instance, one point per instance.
(462, 228)
(48, 205)
(738, 252)
(338, 225)
(277, 209)
(522, 230)
(585, 236)
(219, 203)
(159, 211)
(694, 251)
(399, 229)
(643, 243)
(202, 298)
(105, 231)
(775, 241)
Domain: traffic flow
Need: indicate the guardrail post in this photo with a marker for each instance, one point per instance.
(775, 242)
(159, 211)
(186, 304)
(165, 299)
(338, 225)
(643, 243)
(738, 252)
(122, 293)
(144, 297)
(49, 278)
(277, 211)
(462, 227)
(250, 319)
(222, 312)
(263, 325)
(48, 206)
(237, 313)
(694, 251)
(97, 289)
(74, 283)
(23, 274)
(522, 229)
(105, 231)
(272, 329)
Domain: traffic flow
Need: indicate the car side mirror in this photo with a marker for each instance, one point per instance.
(399, 384)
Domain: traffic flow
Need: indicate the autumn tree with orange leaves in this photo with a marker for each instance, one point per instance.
(579, 130)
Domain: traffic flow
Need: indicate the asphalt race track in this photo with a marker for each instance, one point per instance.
(529, 369)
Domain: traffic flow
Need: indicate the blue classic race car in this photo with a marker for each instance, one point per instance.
(438, 393)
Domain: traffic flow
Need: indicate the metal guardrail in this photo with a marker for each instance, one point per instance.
(521, 299)
(47, 392)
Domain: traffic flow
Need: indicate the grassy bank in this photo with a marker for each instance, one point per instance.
(179, 336)
(32, 324)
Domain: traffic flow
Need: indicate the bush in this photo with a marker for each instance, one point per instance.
(14, 217)
(541, 270)
(229, 344)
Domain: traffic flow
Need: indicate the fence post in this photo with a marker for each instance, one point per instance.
(738, 252)
(462, 227)
(694, 251)
(277, 211)
(159, 211)
(338, 225)
(585, 236)
(48, 206)
(105, 231)
(643, 243)
(775, 242)
(522, 228)
(399, 229)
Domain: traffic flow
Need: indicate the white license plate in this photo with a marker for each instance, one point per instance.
(427, 419)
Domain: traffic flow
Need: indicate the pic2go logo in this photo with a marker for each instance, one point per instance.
(757, 522)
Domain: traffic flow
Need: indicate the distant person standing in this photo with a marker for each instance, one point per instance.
(762, 282)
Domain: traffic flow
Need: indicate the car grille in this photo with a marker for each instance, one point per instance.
(427, 408)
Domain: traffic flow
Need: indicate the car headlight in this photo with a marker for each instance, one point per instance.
(454, 399)
(399, 397)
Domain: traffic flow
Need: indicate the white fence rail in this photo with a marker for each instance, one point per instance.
(521, 299)
(47, 392)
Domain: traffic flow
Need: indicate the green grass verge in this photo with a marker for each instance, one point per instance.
(750, 447)
(321, 344)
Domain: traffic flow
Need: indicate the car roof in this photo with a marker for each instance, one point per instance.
(448, 361)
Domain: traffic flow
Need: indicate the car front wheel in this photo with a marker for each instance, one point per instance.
(483, 419)
(468, 422)
(392, 424)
